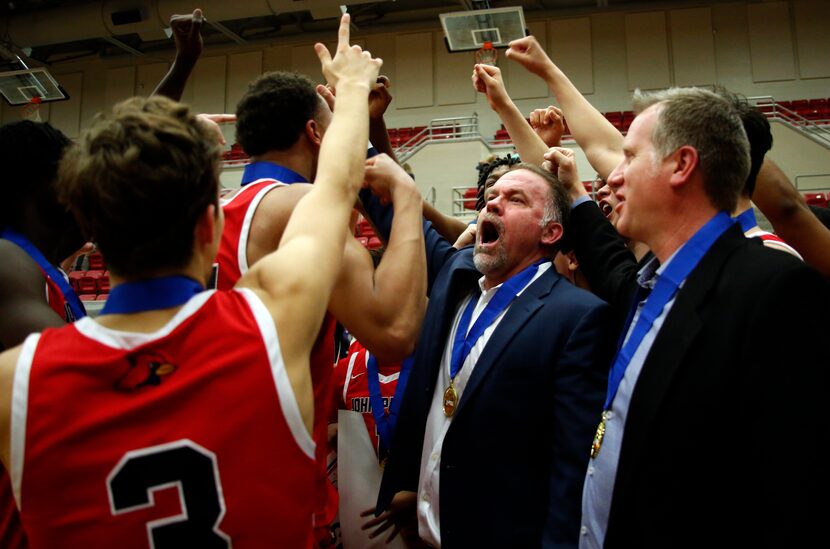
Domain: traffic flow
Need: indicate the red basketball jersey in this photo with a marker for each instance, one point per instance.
(239, 210)
(186, 437)
(232, 264)
(351, 375)
(57, 301)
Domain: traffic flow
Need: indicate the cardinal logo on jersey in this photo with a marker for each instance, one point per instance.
(145, 369)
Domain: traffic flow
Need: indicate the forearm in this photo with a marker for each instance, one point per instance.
(792, 220)
(173, 83)
(379, 136)
(600, 140)
(530, 146)
(448, 227)
(400, 285)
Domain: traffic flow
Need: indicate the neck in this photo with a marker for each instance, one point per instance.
(744, 203)
(491, 280)
(639, 249)
(664, 244)
(296, 158)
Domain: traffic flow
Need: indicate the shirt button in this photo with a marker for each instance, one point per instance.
(435, 456)
(591, 470)
(609, 415)
(425, 497)
(584, 530)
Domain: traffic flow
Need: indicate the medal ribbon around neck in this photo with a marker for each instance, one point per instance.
(464, 342)
(384, 422)
(747, 219)
(268, 170)
(664, 290)
(75, 305)
(148, 295)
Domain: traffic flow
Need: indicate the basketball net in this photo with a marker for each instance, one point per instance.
(487, 54)
(31, 110)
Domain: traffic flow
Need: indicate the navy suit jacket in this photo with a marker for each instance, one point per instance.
(514, 459)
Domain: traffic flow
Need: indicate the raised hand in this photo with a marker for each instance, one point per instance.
(350, 64)
(487, 79)
(562, 163)
(384, 177)
(549, 125)
(379, 97)
(187, 34)
(530, 54)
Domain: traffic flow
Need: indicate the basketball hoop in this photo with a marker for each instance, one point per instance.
(31, 110)
(487, 55)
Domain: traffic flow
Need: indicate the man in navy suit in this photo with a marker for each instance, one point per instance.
(495, 427)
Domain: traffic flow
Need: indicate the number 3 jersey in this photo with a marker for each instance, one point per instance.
(190, 436)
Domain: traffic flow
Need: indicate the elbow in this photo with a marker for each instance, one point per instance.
(397, 344)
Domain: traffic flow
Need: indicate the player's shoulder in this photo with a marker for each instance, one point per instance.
(18, 271)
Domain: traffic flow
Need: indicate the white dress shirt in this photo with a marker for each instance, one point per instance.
(437, 423)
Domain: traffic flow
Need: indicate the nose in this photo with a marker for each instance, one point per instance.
(615, 178)
(493, 205)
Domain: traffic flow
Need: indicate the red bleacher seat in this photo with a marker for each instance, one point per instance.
(87, 297)
(472, 192)
(96, 261)
(589, 185)
(364, 228)
(101, 297)
(801, 107)
(74, 279)
(374, 243)
(816, 199)
(616, 118)
(819, 109)
(364, 241)
(104, 283)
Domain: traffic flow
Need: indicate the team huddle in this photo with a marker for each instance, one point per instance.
(633, 372)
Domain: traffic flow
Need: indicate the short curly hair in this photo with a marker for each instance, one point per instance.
(138, 181)
(273, 112)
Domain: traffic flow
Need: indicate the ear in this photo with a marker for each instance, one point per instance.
(312, 132)
(573, 264)
(684, 162)
(551, 233)
(208, 225)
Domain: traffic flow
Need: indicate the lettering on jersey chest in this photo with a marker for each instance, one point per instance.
(364, 406)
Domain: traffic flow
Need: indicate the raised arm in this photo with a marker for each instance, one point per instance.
(600, 140)
(187, 35)
(383, 308)
(295, 282)
(792, 220)
(487, 80)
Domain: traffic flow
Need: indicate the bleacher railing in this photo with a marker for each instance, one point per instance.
(460, 201)
(819, 133)
(440, 129)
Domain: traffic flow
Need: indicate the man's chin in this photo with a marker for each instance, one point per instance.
(485, 262)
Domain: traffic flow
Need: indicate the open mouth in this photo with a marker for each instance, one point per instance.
(607, 209)
(488, 232)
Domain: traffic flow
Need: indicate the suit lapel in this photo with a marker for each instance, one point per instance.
(519, 313)
(681, 327)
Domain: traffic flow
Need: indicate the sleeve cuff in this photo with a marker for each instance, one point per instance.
(581, 200)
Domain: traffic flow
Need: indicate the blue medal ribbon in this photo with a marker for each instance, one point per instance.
(149, 295)
(386, 422)
(664, 290)
(747, 219)
(464, 342)
(72, 300)
(268, 170)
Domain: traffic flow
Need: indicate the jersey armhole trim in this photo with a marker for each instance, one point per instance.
(287, 399)
(20, 408)
(348, 377)
(242, 251)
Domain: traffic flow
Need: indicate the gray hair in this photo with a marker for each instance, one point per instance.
(557, 206)
(708, 122)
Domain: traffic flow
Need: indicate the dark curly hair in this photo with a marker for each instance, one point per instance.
(30, 153)
(139, 180)
(273, 112)
(484, 171)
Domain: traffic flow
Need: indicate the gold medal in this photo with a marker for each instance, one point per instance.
(450, 400)
(597, 444)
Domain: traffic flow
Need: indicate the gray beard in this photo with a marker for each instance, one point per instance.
(487, 263)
